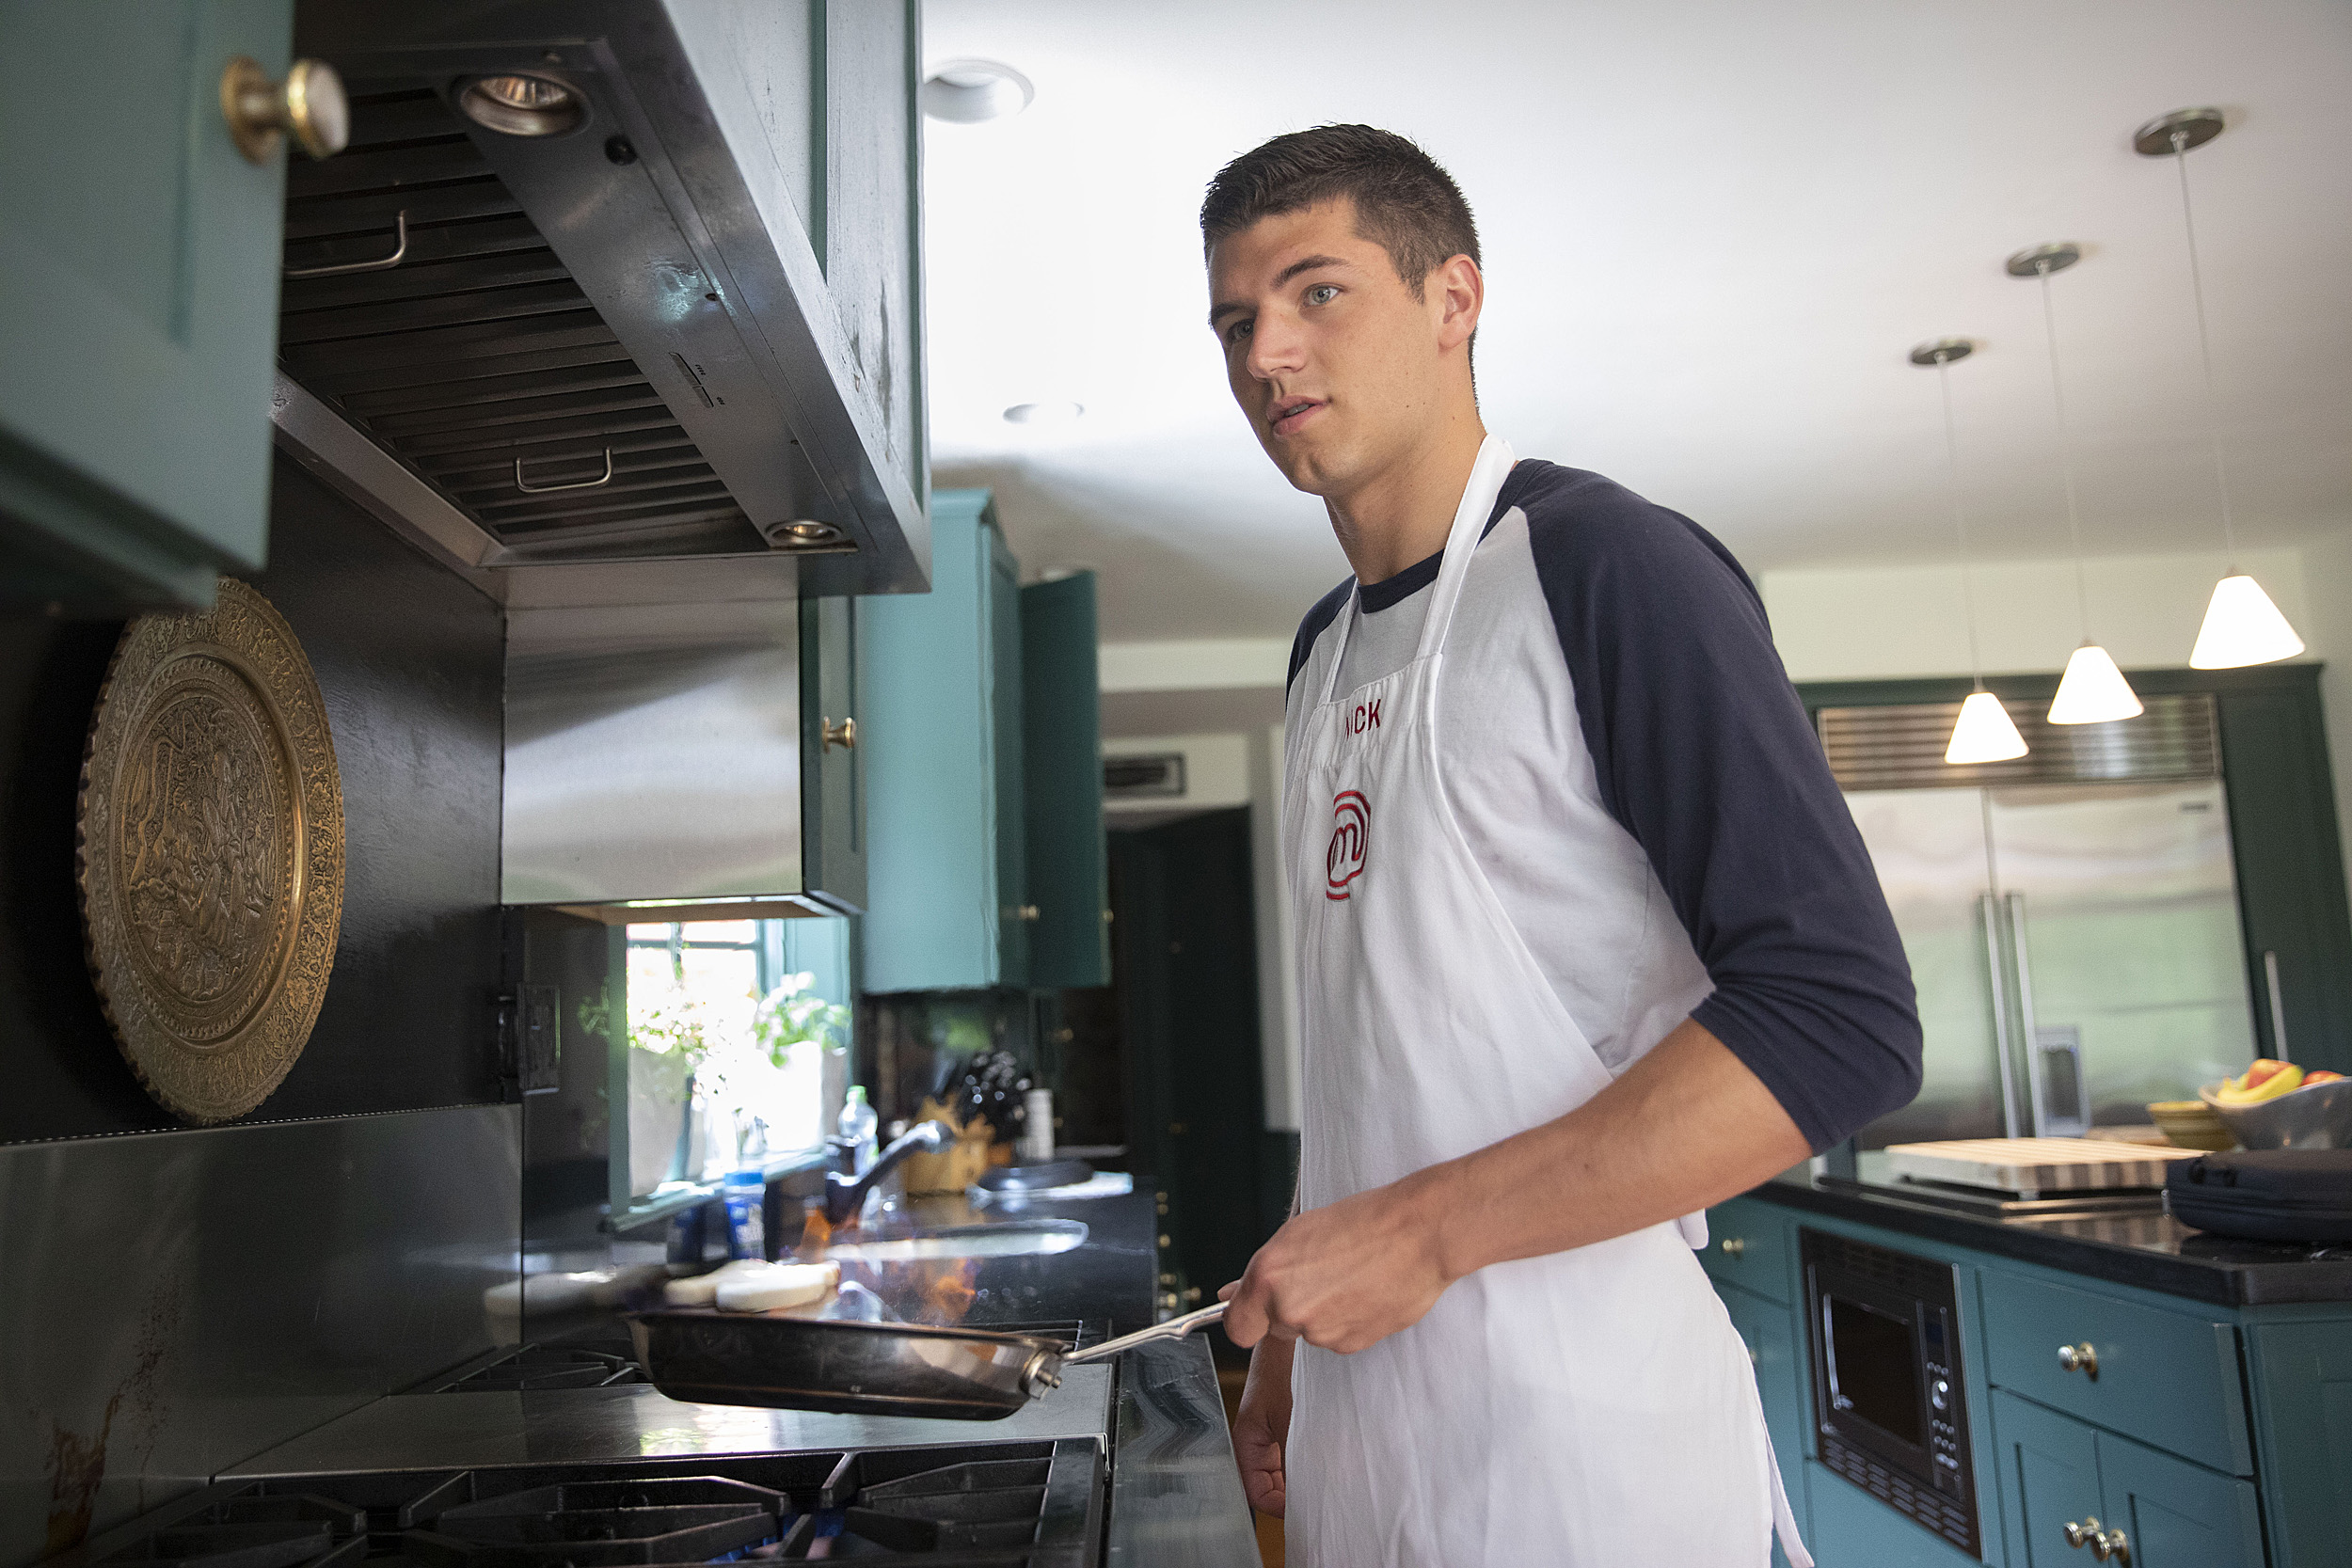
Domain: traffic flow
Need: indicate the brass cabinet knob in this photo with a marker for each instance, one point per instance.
(1733, 1245)
(843, 735)
(309, 106)
(2078, 1534)
(2083, 1358)
(1165, 1242)
(1029, 912)
(2111, 1545)
(1192, 1295)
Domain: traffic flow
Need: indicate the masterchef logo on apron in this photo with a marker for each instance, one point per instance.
(1351, 823)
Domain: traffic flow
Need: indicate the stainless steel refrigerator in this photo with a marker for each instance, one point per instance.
(2071, 917)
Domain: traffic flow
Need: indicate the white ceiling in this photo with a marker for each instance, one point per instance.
(1711, 234)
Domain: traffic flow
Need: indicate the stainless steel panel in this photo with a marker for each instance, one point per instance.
(1176, 1496)
(652, 752)
(175, 1301)
(1901, 746)
(2133, 936)
(1929, 845)
(584, 1424)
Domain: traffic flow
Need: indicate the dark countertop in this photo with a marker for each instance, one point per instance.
(2153, 1251)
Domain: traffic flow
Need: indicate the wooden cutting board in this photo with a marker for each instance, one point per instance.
(2031, 1165)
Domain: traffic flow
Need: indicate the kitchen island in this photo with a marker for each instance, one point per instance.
(2115, 1372)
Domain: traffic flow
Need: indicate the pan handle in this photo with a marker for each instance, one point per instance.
(1175, 1328)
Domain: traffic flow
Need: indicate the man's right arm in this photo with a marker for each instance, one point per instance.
(1262, 1425)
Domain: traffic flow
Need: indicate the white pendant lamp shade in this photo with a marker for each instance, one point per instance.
(1984, 733)
(2242, 626)
(2093, 691)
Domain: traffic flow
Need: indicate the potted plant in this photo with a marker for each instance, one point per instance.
(807, 1038)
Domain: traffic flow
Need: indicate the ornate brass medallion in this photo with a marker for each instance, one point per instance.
(210, 853)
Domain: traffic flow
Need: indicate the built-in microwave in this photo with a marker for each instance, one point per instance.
(1887, 1409)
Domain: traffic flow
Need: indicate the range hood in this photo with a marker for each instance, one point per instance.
(618, 283)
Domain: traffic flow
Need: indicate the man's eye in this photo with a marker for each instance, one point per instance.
(1237, 332)
(1323, 293)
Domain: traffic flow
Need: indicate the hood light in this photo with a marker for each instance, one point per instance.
(966, 92)
(521, 105)
(801, 534)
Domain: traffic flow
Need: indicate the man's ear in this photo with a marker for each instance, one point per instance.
(1460, 292)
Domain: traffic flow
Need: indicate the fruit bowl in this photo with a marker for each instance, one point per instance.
(2317, 1116)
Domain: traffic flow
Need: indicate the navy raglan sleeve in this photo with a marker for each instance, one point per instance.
(1705, 753)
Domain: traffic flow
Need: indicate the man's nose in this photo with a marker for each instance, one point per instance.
(1277, 347)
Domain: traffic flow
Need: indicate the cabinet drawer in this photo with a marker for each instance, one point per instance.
(1747, 1246)
(2169, 1379)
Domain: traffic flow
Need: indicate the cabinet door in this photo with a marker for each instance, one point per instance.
(1769, 1332)
(1061, 782)
(1015, 913)
(139, 262)
(833, 808)
(2175, 1514)
(932, 747)
(2302, 1374)
(2048, 1469)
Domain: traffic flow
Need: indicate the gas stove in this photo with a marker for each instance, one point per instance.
(1008, 1505)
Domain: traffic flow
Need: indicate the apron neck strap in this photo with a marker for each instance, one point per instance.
(1470, 526)
(1487, 473)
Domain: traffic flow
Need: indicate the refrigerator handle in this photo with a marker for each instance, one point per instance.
(2035, 1072)
(2277, 1007)
(2007, 1057)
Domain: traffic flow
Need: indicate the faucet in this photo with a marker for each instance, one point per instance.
(846, 1194)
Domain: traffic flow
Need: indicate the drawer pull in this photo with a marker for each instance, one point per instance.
(2083, 1358)
(1733, 1245)
(2111, 1545)
(2076, 1534)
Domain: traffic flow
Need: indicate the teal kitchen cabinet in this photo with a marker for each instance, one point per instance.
(833, 804)
(2301, 1374)
(2068, 1490)
(985, 860)
(1069, 863)
(140, 268)
(942, 691)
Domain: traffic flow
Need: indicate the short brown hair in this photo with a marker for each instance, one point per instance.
(1404, 203)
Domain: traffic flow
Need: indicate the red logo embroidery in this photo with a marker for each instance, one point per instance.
(1351, 825)
(1364, 716)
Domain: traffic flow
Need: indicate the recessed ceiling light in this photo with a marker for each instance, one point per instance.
(1043, 413)
(969, 91)
(521, 105)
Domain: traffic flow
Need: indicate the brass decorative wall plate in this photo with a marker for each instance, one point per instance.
(210, 853)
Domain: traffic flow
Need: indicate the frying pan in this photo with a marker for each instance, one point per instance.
(707, 1356)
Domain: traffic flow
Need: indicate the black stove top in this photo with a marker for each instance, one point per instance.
(611, 1363)
(1008, 1505)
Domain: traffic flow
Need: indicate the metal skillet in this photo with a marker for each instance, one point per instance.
(707, 1356)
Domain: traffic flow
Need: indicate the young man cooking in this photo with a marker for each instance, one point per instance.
(1587, 940)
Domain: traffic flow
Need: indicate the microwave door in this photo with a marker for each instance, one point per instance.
(1873, 1368)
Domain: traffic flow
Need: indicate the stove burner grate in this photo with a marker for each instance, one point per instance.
(605, 1364)
(1005, 1505)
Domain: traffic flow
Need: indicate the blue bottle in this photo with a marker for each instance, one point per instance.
(746, 1194)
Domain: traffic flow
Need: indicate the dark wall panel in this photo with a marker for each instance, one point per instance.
(410, 659)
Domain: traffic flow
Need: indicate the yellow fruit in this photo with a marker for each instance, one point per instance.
(2264, 1080)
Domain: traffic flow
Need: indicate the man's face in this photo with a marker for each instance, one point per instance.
(1335, 363)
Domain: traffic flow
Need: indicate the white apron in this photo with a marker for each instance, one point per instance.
(1592, 1407)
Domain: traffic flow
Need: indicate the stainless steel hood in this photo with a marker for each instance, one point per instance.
(682, 327)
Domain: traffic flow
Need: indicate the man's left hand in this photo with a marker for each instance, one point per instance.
(1344, 1276)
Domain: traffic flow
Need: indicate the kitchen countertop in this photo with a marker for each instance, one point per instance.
(1176, 1496)
(2153, 1251)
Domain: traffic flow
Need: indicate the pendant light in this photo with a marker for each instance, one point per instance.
(2242, 626)
(2093, 691)
(1984, 731)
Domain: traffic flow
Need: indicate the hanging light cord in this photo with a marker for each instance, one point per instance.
(2204, 349)
(1959, 520)
(2066, 449)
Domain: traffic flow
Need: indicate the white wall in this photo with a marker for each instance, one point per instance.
(1885, 622)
